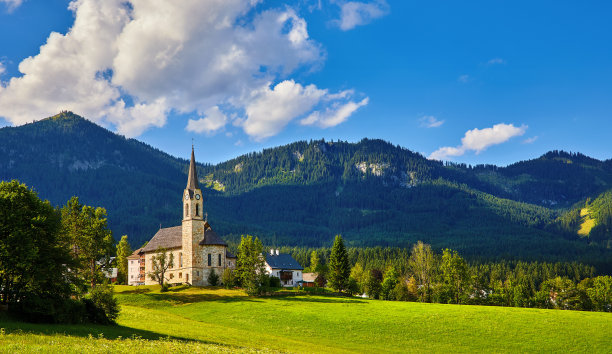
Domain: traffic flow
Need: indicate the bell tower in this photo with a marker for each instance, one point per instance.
(192, 227)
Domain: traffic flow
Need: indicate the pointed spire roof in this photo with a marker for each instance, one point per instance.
(192, 180)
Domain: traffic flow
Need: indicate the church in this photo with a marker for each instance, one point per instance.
(196, 248)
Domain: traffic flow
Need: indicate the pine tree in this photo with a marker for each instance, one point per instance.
(339, 267)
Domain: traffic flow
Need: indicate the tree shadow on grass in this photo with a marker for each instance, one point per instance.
(112, 332)
(179, 298)
(327, 300)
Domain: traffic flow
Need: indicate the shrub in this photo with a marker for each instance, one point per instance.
(103, 298)
(213, 278)
(164, 287)
(275, 282)
(228, 278)
(48, 309)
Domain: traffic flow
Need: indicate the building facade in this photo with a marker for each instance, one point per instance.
(197, 250)
(284, 267)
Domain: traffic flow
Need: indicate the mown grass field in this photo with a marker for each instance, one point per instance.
(218, 320)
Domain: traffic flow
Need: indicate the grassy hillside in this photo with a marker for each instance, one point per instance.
(227, 320)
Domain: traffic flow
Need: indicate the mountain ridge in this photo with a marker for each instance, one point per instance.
(301, 194)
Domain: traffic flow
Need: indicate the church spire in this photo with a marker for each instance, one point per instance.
(192, 180)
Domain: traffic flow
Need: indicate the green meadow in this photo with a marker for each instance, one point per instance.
(218, 320)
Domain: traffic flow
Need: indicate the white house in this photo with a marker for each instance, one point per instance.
(136, 268)
(284, 267)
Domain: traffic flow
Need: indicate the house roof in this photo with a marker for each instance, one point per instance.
(192, 180)
(135, 254)
(282, 261)
(309, 277)
(229, 254)
(211, 237)
(169, 237)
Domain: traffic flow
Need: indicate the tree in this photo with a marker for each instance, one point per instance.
(360, 276)
(250, 266)
(389, 283)
(314, 261)
(87, 235)
(454, 274)
(339, 267)
(33, 262)
(422, 264)
(123, 252)
(228, 278)
(374, 283)
(600, 293)
(213, 278)
(161, 263)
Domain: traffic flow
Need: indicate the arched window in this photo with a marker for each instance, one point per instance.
(186, 210)
(197, 209)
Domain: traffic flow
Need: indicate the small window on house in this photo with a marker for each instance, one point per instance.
(180, 259)
(180, 275)
(198, 272)
(219, 259)
(171, 276)
(209, 259)
(197, 209)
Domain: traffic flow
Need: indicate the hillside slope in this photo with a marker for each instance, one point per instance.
(303, 193)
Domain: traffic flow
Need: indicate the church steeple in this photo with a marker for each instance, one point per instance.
(192, 180)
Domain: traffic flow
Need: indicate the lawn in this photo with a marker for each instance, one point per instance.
(213, 320)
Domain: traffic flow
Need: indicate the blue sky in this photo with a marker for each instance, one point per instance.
(474, 82)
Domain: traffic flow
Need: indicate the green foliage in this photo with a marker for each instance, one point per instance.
(213, 278)
(106, 306)
(275, 282)
(455, 276)
(389, 283)
(250, 266)
(339, 267)
(422, 264)
(373, 284)
(123, 252)
(228, 278)
(162, 261)
(88, 237)
(33, 261)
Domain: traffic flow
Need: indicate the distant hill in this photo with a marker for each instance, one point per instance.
(302, 194)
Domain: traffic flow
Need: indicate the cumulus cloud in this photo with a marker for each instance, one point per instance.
(131, 63)
(478, 140)
(430, 122)
(11, 4)
(357, 13)
(212, 122)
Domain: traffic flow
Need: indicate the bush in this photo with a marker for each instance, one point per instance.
(48, 309)
(164, 287)
(103, 298)
(213, 278)
(275, 282)
(228, 278)
(353, 287)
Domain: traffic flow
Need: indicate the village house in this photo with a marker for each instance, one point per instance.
(284, 267)
(196, 248)
(136, 268)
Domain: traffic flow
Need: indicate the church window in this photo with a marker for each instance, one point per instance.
(187, 277)
(171, 276)
(219, 259)
(209, 259)
(180, 275)
(186, 210)
(197, 209)
(180, 259)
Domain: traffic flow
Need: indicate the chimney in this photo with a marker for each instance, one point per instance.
(271, 252)
(277, 252)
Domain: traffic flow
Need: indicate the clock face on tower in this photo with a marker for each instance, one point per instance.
(197, 196)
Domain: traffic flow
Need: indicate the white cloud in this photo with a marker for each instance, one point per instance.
(2, 68)
(212, 122)
(530, 140)
(271, 110)
(181, 56)
(478, 140)
(334, 115)
(464, 78)
(430, 122)
(356, 13)
(496, 61)
(11, 4)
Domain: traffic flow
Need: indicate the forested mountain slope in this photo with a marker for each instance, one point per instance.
(304, 193)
